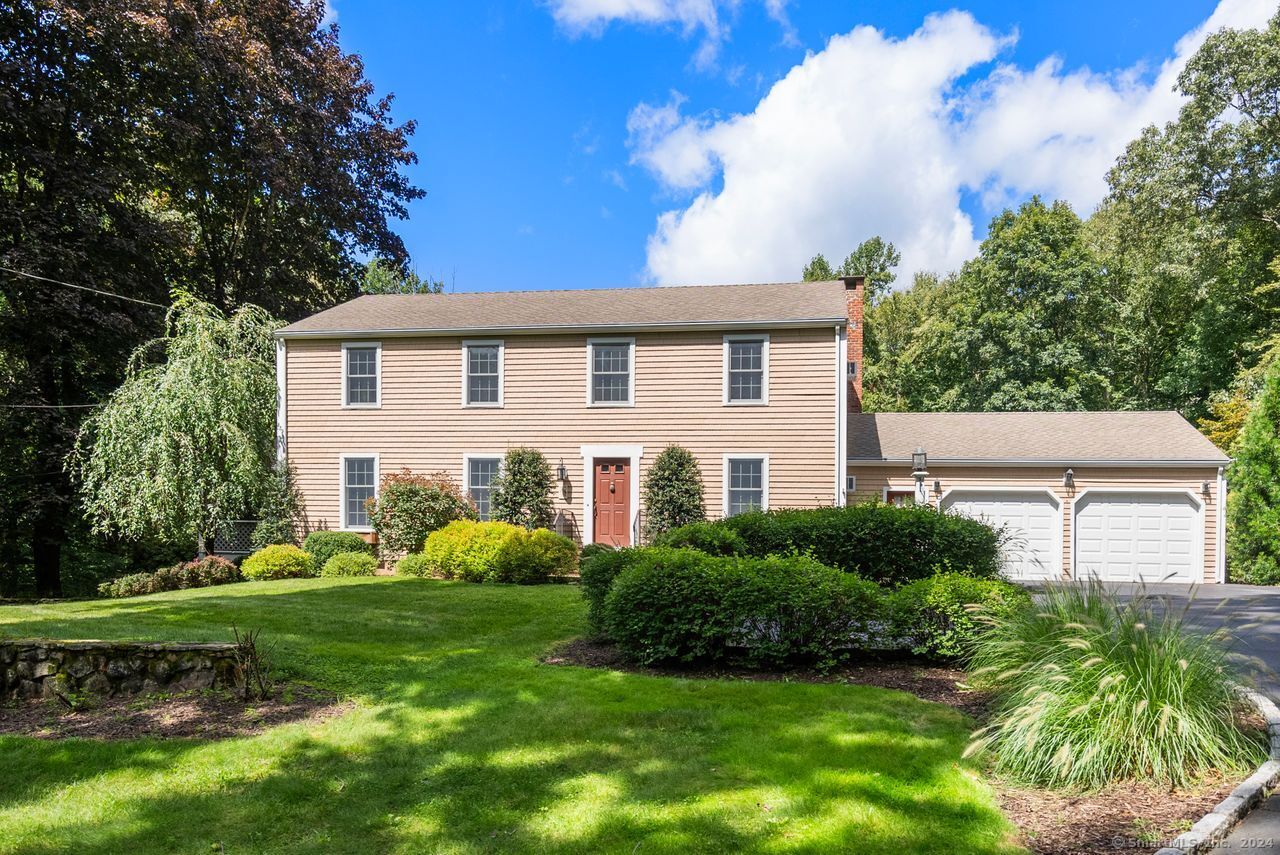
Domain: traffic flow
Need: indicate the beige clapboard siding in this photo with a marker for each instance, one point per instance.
(873, 479)
(423, 426)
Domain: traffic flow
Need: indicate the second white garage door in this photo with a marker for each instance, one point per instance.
(1138, 537)
(1032, 520)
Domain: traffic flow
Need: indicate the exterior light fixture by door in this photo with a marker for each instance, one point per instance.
(562, 474)
(920, 470)
(1069, 479)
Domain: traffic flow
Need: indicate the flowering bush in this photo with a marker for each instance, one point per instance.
(409, 507)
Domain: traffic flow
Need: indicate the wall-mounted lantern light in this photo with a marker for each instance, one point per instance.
(937, 487)
(562, 473)
(1204, 488)
(1069, 479)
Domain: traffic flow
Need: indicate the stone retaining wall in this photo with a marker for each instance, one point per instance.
(35, 667)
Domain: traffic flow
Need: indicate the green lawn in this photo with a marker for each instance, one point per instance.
(462, 742)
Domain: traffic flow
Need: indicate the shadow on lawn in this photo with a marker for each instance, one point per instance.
(466, 749)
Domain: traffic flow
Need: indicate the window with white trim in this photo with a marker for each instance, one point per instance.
(483, 374)
(745, 370)
(360, 364)
(611, 374)
(746, 485)
(359, 485)
(480, 474)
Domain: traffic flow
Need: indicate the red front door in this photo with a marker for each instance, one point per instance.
(613, 502)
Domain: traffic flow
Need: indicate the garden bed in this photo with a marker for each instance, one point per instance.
(209, 714)
(1117, 818)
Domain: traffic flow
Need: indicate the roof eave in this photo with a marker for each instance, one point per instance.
(1046, 461)
(534, 329)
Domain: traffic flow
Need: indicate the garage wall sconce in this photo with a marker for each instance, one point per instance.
(937, 487)
(1205, 489)
(1069, 479)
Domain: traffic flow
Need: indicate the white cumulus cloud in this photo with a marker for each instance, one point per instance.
(876, 135)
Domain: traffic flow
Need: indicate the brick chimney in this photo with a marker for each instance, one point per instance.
(855, 288)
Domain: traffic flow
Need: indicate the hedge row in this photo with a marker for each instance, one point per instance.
(888, 544)
(200, 573)
(662, 604)
(493, 552)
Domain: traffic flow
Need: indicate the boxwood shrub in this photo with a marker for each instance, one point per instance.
(943, 616)
(598, 570)
(413, 564)
(711, 538)
(497, 552)
(528, 557)
(882, 542)
(323, 545)
(200, 573)
(684, 605)
(281, 561)
(350, 564)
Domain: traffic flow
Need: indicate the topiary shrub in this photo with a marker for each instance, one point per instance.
(1090, 690)
(521, 492)
(466, 549)
(280, 561)
(942, 617)
(409, 507)
(200, 573)
(597, 571)
(413, 564)
(350, 564)
(672, 492)
(711, 538)
(323, 545)
(684, 605)
(529, 557)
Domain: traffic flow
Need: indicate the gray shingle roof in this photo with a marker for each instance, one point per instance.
(793, 303)
(1109, 437)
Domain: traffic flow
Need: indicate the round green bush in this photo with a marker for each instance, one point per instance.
(684, 605)
(198, 573)
(410, 507)
(350, 564)
(466, 550)
(323, 545)
(1091, 690)
(413, 564)
(942, 617)
(711, 538)
(281, 561)
(529, 557)
(599, 567)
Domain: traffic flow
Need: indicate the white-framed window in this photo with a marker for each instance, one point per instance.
(359, 478)
(361, 374)
(482, 370)
(479, 471)
(611, 372)
(746, 483)
(746, 369)
(851, 484)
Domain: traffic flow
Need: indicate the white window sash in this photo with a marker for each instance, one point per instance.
(630, 344)
(467, 344)
(763, 400)
(376, 347)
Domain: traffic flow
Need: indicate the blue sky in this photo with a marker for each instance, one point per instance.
(563, 146)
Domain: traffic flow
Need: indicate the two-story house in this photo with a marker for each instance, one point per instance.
(761, 382)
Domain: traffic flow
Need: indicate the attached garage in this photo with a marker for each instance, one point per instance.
(1138, 537)
(1125, 497)
(1031, 518)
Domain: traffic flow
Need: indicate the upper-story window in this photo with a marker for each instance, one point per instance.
(482, 373)
(746, 483)
(610, 372)
(746, 369)
(361, 374)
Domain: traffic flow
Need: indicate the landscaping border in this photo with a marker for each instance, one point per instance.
(1215, 825)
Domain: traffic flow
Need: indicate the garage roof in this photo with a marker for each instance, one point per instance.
(788, 304)
(1027, 438)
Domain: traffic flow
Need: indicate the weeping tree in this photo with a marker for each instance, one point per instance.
(187, 441)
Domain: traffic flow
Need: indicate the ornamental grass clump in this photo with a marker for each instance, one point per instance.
(1090, 690)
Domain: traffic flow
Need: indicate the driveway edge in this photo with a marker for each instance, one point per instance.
(1214, 825)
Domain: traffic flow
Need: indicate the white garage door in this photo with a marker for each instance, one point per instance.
(1031, 520)
(1138, 537)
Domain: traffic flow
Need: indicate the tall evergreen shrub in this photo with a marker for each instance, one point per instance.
(522, 491)
(1253, 504)
(672, 492)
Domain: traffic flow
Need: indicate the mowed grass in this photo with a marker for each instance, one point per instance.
(461, 741)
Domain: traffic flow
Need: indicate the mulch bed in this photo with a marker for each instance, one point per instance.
(192, 715)
(1124, 817)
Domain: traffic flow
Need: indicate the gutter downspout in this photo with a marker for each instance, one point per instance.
(842, 417)
(1220, 558)
(282, 425)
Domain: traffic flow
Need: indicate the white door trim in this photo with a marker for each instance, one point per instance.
(1197, 502)
(1024, 491)
(590, 453)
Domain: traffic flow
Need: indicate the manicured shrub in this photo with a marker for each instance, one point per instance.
(597, 572)
(684, 605)
(323, 545)
(528, 557)
(280, 561)
(1090, 690)
(280, 511)
(594, 549)
(1253, 503)
(413, 564)
(884, 543)
(466, 549)
(711, 538)
(409, 507)
(941, 617)
(200, 573)
(521, 493)
(350, 564)
(672, 492)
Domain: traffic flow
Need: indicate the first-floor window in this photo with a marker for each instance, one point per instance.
(480, 474)
(359, 484)
(746, 485)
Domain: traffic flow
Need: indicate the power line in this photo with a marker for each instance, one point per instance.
(82, 288)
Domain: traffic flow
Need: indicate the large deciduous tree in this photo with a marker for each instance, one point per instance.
(188, 440)
(229, 149)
